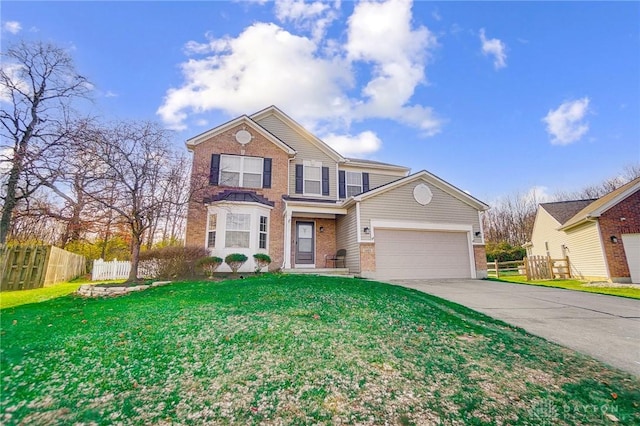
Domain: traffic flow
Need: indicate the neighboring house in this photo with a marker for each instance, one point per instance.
(601, 237)
(273, 187)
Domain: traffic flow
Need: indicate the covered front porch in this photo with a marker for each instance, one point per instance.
(310, 236)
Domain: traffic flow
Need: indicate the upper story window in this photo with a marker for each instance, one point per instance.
(240, 171)
(312, 178)
(354, 183)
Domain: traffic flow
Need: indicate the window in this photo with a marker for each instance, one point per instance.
(239, 171)
(262, 239)
(312, 180)
(238, 234)
(211, 231)
(354, 183)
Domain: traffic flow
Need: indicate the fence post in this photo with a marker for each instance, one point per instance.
(495, 262)
(527, 270)
(566, 259)
(550, 266)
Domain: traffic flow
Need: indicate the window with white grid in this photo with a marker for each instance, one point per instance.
(313, 180)
(354, 183)
(238, 233)
(240, 171)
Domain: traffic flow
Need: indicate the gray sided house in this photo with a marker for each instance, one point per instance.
(266, 184)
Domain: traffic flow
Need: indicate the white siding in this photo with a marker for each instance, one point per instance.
(306, 150)
(399, 204)
(346, 239)
(585, 252)
(545, 230)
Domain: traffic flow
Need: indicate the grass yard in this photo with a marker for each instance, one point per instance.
(279, 349)
(612, 289)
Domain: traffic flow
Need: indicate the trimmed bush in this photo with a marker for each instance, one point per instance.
(170, 262)
(235, 261)
(209, 264)
(261, 260)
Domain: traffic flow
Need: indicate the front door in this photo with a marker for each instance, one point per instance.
(305, 243)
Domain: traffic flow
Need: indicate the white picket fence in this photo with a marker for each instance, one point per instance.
(114, 270)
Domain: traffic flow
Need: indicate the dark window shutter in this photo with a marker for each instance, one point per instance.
(266, 173)
(365, 182)
(215, 169)
(342, 184)
(325, 181)
(299, 178)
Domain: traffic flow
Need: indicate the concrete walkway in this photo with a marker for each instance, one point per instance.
(605, 327)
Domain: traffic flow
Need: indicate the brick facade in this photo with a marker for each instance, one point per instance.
(611, 224)
(480, 257)
(367, 257)
(225, 143)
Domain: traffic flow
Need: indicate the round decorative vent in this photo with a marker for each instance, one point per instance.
(422, 194)
(243, 137)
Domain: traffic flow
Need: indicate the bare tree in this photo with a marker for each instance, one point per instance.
(38, 82)
(131, 166)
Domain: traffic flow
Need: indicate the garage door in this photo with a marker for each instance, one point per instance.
(410, 254)
(632, 251)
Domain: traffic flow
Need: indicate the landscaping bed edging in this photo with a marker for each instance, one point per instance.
(93, 290)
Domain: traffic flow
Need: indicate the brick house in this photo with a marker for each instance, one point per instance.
(263, 183)
(601, 237)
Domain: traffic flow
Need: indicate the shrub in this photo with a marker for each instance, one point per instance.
(235, 261)
(504, 252)
(170, 262)
(209, 264)
(261, 260)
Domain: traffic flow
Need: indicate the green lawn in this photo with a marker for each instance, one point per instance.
(292, 350)
(9, 299)
(601, 288)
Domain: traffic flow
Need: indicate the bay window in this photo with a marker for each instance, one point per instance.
(238, 233)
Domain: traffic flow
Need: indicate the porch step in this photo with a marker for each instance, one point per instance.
(318, 271)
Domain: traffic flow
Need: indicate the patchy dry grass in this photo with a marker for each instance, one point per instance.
(292, 350)
(612, 289)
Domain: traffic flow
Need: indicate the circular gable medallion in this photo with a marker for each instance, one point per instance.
(243, 137)
(422, 194)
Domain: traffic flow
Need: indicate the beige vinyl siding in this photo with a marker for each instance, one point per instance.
(346, 238)
(376, 177)
(585, 252)
(399, 204)
(306, 150)
(545, 229)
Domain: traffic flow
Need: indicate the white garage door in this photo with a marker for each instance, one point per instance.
(632, 251)
(410, 254)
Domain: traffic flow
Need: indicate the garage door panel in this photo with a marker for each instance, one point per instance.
(632, 252)
(421, 254)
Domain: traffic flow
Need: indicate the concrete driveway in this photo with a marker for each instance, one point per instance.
(605, 327)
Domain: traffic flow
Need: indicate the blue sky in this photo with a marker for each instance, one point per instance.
(495, 97)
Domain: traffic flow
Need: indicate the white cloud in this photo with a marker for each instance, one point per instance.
(565, 124)
(495, 48)
(110, 94)
(15, 73)
(308, 75)
(315, 16)
(362, 144)
(13, 27)
(537, 194)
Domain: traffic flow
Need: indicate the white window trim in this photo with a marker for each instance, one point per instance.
(245, 231)
(346, 183)
(314, 164)
(266, 232)
(241, 171)
(206, 237)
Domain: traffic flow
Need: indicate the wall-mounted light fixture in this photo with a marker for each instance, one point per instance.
(614, 239)
(478, 233)
(366, 229)
(321, 229)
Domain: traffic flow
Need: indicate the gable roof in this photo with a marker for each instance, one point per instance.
(243, 119)
(565, 210)
(429, 177)
(376, 165)
(239, 196)
(602, 204)
(273, 110)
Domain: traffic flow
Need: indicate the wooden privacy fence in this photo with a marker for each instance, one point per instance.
(27, 267)
(114, 270)
(533, 267)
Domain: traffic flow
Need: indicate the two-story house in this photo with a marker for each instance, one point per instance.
(266, 184)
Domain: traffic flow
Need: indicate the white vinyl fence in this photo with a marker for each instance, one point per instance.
(114, 270)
